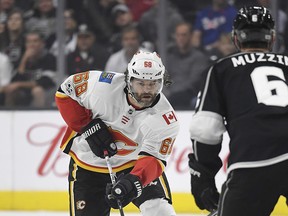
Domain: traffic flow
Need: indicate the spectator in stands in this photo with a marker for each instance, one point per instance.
(99, 18)
(131, 43)
(12, 38)
(5, 7)
(185, 65)
(42, 18)
(70, 35)
(212, 28)
(148, 23)
(122, 17)
(80, 10)
(5, 74)
(88, 55)
(35, 75)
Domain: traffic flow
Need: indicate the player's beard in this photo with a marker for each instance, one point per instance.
(145, 99)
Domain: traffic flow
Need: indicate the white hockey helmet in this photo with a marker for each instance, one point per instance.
(146, 65)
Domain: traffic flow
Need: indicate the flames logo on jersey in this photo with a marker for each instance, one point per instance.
(80, 205)
(169, 117)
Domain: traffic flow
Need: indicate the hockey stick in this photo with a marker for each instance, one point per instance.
(213, 213)
(113, 180)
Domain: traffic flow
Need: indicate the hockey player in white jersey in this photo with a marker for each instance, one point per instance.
(126, 116)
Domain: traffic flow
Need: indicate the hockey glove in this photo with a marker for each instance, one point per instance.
(203, 185)
(99, 138)
(127, 188)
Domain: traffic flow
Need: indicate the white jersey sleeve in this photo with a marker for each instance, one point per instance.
(86, 87)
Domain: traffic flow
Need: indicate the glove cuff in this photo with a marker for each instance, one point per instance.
(93, 126)
(196, 169)
(135, 181)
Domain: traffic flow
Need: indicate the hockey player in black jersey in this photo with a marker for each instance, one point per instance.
(245, 94)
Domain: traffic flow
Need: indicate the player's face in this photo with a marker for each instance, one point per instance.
(145, 91)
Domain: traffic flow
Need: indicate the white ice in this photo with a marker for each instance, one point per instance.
(50, 213)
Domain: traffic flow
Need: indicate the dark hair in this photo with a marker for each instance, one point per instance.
(40, 35)
(131, 28)
(16, 10)
(183, 23)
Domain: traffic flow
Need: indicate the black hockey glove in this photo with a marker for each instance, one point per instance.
(99, 138)
(127, 188)
(203, 185)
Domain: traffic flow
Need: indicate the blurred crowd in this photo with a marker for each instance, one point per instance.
(104, 35)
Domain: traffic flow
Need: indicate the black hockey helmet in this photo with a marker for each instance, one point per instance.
(253, 27)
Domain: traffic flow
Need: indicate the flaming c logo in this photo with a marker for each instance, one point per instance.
(126, 145)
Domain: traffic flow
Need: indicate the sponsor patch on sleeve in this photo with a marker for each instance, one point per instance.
(169, 117)
(106, 77)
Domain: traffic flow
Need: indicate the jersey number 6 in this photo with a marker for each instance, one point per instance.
(270, 86)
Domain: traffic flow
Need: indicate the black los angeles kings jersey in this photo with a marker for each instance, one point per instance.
(247, 95)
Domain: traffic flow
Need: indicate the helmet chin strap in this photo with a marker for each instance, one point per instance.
(130, 92)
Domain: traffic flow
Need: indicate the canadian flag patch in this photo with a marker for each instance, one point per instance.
(169, 117)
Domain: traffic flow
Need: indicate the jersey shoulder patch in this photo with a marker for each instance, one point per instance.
(106, 77)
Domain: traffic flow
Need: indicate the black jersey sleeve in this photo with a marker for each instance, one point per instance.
(207, 124)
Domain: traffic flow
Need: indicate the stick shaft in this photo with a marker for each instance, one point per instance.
(113, 180)
(112, 176)
(213, 213)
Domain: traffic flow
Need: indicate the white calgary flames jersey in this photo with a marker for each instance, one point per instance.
(150, 131)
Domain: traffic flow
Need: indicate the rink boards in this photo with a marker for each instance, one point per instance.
(34, 170)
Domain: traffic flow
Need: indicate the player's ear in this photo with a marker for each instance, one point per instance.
(234, 39)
